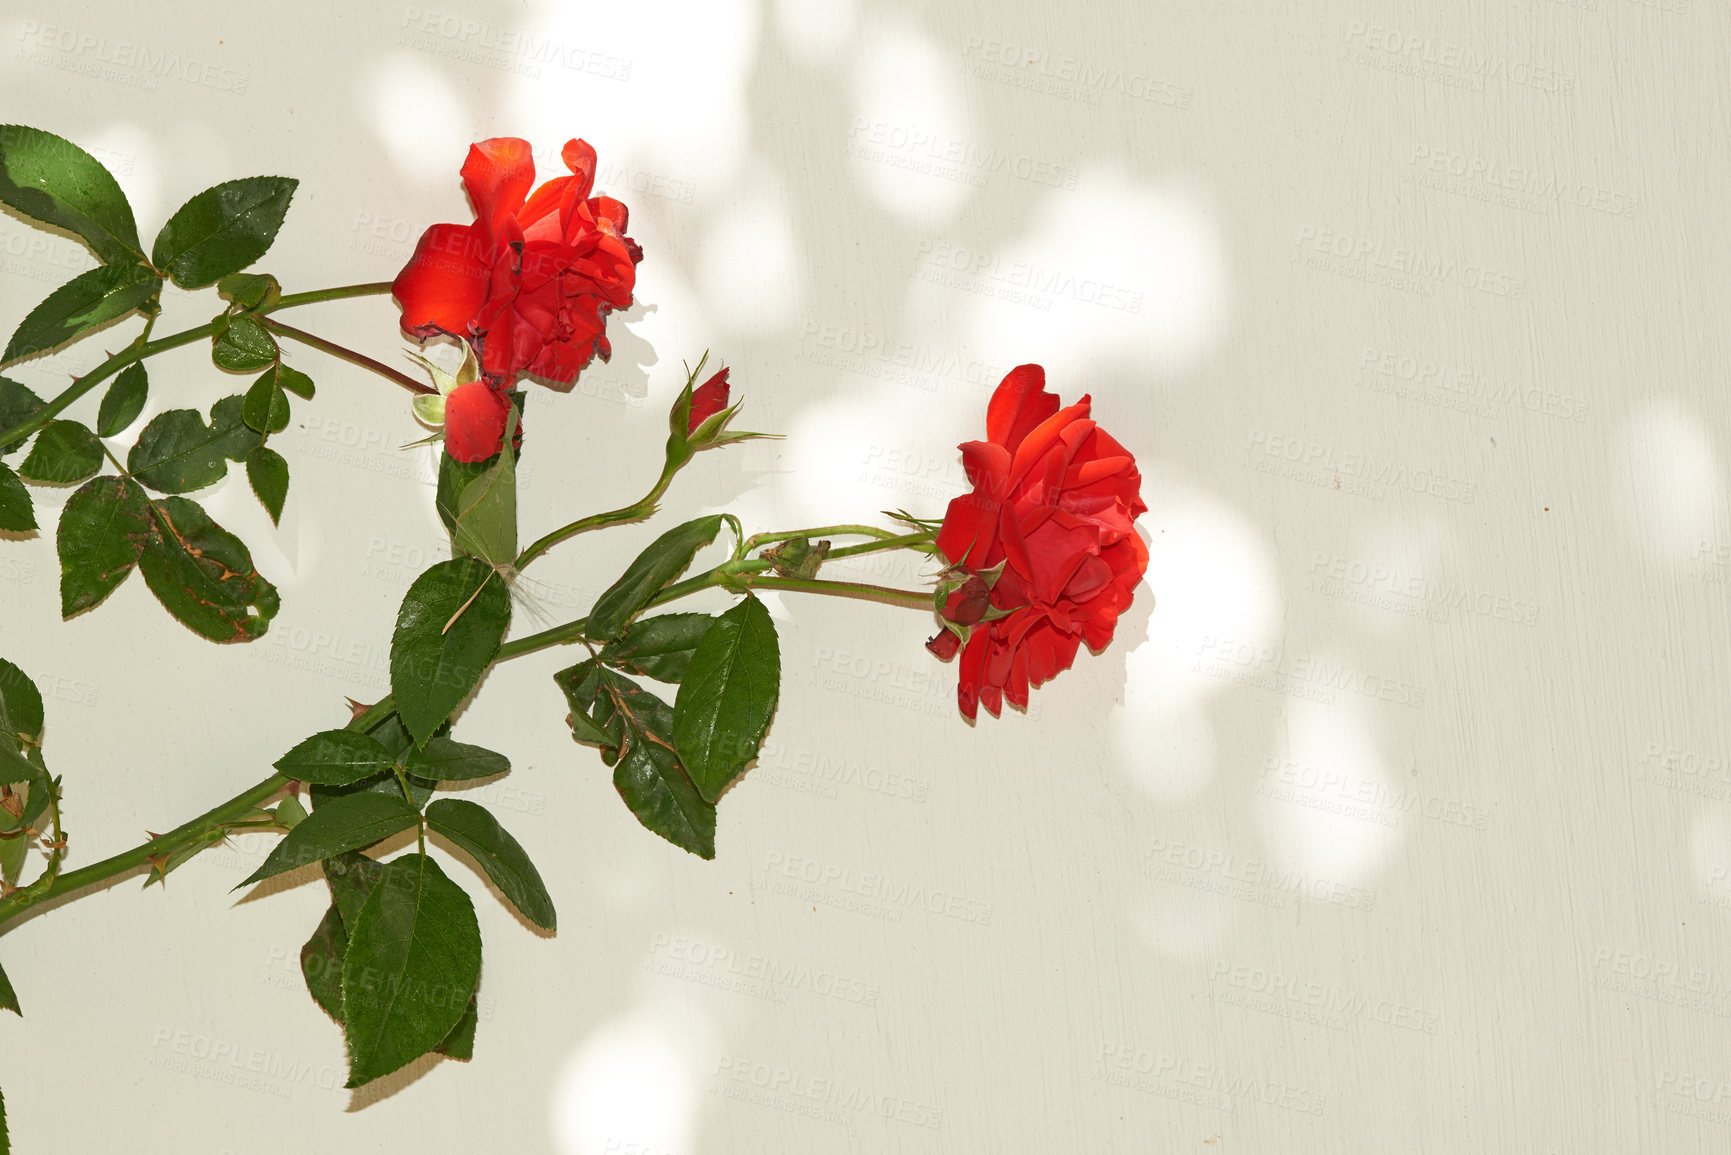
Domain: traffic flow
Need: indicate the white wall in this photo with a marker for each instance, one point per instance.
(1397, 819)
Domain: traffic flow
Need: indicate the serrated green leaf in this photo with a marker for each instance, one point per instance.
(442, 760)
(222, 230)
(204, 575)
(450, 624)
(250, 290)
(265, 407)
(90, 299)
(487, 510)
(102, 534)
(664, 560)
(124, 400)
(14, 767)
(269, 475)
(351, 876)
(646, 770)
(659, 647)
(65, 451)
(243, 345)
(727, 697)
(460, 1043)
(21, 713)
(18, 405)
(322, 963)
(473, 829)
(14, 847)
(413, 962)
(178, 453)
(50, 179)
(17, 514)
(335, 758)
(348, 822)
(8, 1001)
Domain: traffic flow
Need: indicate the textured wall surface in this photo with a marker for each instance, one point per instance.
(1398, 818)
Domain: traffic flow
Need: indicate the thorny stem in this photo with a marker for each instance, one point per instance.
(347, 354)
(143, 347)
(187, 834)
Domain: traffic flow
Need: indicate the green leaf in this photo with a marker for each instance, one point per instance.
(413, 962)
(103, 531)
(476, 831)
(17, 514)
(664, 560)
(90, 299)
(266, 407)
(64, 451)
(460, 1043)
(442, 760)
(8, 1001)
(204, 576)
(322, 963)
(335, 758)
(727, 697)
(268, 473)
(20, 704)
(17, 406)
(289, 813)
(451, 622)
(14, 848)
(5, 1139)
(243, 345)
(50, 179)
(222, 230)
(294, 381)
(124, 400)
(250, 290)
(455, 477)
(349, 822)
(658, 647)
(646, 770)
(178, 453)
(352, 876)
(487, 510)
(14, 767)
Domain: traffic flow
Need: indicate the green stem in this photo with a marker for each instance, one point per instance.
(641, 508)
(182, 836)
(290, 300)
(758, 539)
(142, 348)
(919, 542)
(913, 599)
(347, 354)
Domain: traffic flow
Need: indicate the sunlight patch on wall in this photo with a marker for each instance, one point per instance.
(1327, 804)
(633, 1083)
(909, 119)
(419, 118)
(1677, 481)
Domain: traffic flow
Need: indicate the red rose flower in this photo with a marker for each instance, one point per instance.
(531, 281)
(707, 400)
(1054, 502)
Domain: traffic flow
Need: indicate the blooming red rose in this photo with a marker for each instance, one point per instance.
(1054, 502)
(530, 283)
(707, 400)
